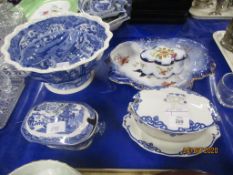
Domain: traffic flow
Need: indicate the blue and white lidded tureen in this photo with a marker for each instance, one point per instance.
(163, 61)
(172, 111)
(61, 50)
(61, 125)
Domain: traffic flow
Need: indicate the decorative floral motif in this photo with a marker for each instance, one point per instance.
(167, 84)
(122, 60)
(164, 71)
(164, 52)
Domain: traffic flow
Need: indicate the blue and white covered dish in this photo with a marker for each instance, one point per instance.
(172, 111)
(61, 125)
(59, 49)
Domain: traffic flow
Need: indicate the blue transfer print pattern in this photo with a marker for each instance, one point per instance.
(57, 40)
(50, 112)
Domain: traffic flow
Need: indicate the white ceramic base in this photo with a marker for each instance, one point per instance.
(68, 90)
(226, 53)
(205, 13)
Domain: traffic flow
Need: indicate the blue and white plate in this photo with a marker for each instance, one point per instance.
(127, 68)
(104, 8)
(58, 49)
(173, 110)
(171, 149)
(60, 124)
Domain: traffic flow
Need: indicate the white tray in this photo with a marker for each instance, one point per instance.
(205, 13)
(227, 54)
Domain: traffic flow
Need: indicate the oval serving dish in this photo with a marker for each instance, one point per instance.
(61, 125)
(169, 148)
(172, 111)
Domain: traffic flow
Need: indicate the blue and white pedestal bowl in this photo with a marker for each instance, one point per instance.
(60, 50)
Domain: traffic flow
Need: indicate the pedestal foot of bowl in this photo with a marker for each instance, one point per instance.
(71, 87)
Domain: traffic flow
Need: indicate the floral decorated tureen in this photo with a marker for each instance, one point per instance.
(61, 50)
(154, 63)
(163, 61)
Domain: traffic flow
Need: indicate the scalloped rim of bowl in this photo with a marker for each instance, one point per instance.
(8, 38)
(42, 163)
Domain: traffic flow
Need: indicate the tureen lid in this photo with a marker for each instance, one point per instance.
(173, 110)
(58, 123)
(163, 55)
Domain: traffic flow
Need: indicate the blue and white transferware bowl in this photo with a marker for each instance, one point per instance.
(104, 8)
(173, 111)
(59, 49)
(169, 148)
(61, 125)
(127, 67)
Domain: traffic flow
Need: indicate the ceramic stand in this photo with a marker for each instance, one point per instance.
(226, 53)
(71, 87)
